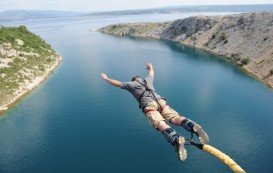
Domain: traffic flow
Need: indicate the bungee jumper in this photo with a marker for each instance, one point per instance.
(159, 113)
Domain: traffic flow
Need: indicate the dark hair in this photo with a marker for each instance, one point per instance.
(135, 78)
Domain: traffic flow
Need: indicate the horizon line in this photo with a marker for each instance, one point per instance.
(150, 8)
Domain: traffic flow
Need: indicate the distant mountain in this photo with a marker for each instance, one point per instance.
(193, 8)
(13, 15)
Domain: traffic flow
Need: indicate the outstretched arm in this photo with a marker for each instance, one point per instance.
(150, 69)
(113, 82)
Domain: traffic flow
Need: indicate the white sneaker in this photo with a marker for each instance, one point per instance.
(180, 148)
(202, 135)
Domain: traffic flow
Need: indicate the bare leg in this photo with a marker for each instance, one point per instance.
(159, 122)
(191, 126)
(162, 125)
(173, 138)
(177, 120)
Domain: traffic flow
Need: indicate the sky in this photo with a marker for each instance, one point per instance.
(111, 5)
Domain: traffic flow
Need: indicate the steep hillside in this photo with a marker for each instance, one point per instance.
(245, 39)
(25, 61)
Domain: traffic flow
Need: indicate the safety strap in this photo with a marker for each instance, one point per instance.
(149, 90)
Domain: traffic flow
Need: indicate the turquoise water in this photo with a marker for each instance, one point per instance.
(75, 122)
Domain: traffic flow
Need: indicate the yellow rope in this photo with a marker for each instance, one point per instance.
(224, 158)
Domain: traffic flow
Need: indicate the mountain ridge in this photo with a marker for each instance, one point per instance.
(244, 39)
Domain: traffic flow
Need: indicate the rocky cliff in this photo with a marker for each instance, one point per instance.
(25, 61)
(245, 39)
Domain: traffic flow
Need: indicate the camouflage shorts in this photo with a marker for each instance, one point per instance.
(155, 116)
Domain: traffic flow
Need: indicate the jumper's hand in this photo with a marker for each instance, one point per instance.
(149, 66)
(103, 76)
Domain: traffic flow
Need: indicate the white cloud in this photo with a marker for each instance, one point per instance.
(107, 5)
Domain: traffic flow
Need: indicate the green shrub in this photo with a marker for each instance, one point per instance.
(271, 71)
(113, 27)
(245, 61)
(223, 36)
(213, 36)
(23, 29)
(31, 41)
(48, 59)
(26, 63)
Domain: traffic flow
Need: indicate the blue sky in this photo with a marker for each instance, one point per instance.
(109, 5)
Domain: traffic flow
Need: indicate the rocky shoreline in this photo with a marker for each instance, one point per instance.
(26, 60)
(22, 91)
(244, 39)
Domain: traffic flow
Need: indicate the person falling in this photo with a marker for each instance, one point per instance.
(158, 112)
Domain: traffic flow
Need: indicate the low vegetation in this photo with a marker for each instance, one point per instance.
(23, 57)
(271, 71)
(31, 41)
(245, 61)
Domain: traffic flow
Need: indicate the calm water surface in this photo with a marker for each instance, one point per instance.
(75, 122)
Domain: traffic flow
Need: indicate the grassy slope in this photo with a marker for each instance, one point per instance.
(25, 63)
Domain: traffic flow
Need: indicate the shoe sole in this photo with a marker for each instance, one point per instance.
(182, 152)
(202, 135)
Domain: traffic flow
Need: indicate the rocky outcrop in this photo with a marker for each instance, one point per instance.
(25, 61)
(245, 39)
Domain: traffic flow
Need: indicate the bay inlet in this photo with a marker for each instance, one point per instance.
(75, 122)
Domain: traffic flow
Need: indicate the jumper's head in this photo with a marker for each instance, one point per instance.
(135, 78)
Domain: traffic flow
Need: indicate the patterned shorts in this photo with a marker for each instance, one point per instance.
(155, 116)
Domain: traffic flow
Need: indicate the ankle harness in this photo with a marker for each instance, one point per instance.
(171, 135)
(188, 125)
